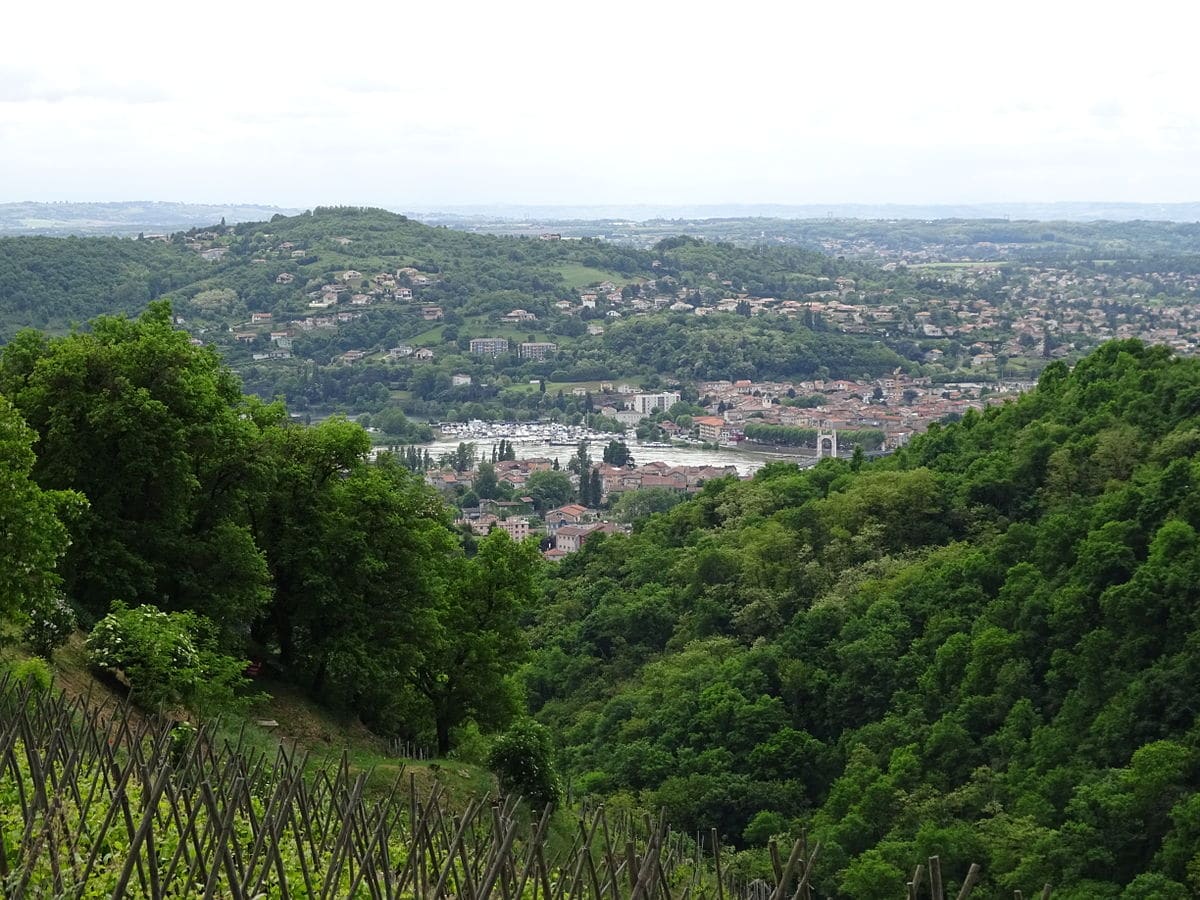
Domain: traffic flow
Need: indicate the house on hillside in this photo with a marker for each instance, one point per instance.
(570, 514)
(517, 316)
(570, 538)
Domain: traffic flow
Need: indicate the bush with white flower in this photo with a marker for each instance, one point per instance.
(522, 760)
(51, 622)
(169, 659)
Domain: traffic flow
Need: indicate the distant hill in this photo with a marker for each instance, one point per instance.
(1088, 211)
(128, 218)
(281, 295)
(124, 218)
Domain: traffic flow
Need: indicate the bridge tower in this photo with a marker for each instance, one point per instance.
(827, 444)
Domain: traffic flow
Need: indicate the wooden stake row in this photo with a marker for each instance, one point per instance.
(138, 808)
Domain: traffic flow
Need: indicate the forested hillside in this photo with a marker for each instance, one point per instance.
(285, 300)
(987, 645)
(53, 283)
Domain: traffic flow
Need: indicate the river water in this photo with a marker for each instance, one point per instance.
(746, 461)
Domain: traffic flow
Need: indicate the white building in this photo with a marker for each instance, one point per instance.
(646, 404)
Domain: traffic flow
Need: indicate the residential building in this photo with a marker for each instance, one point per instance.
(571, 537)
(711, 428)
(571, 514)
(516, 526)
(489, 346)
(646, 404)
(517, 316)
(536, 349)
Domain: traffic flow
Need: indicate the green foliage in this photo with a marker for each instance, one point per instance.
(52, 283)
(616, 453)
(168, 658)
(632, 506)
(34, 672)
(470, 744)
(983, 646)
(32, 536)
(522, 759)
(472, 639)
(549, 489)
(764, 826)
(51, 622)
(155, 434)
(397, 427)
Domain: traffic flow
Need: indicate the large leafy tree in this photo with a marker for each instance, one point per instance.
(32, 535)
(357, 553)
(290, 518)
(155, 434)
(474, 639)
(549, 489)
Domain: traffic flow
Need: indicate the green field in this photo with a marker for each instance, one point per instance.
(429, 336)
(578, 275)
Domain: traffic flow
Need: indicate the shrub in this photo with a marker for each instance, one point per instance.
(168, 659)
(521, 758)
(51, 622)
(764, 826)
(35, 672)
(470, 744)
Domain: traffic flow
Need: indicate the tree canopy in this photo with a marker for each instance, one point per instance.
(985, 644)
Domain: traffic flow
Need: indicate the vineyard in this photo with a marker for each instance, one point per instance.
(96, 802)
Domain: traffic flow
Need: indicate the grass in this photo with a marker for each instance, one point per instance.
(577, 275)
(303, 726)
(428, 336)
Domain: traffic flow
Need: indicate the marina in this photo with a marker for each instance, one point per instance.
(555, 440)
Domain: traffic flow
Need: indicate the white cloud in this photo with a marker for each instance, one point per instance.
(444, 103)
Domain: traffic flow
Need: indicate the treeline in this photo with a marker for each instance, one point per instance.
(53, 283)
(155, 481)
(789, 436)
(989, 641)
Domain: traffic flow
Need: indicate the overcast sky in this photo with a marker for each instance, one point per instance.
(412, 104)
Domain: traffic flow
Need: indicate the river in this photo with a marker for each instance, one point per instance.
(746, 461)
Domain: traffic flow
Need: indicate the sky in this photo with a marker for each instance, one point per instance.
(421, 105)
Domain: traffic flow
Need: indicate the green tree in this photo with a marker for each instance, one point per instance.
(616, 453)
(32, 535)
(634, 505)
(595, 493)
(486, 485)
(472, 639)
(155, 433)
(522, 758)
(549, 489)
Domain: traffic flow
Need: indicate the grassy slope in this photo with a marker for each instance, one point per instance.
(304, 727)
